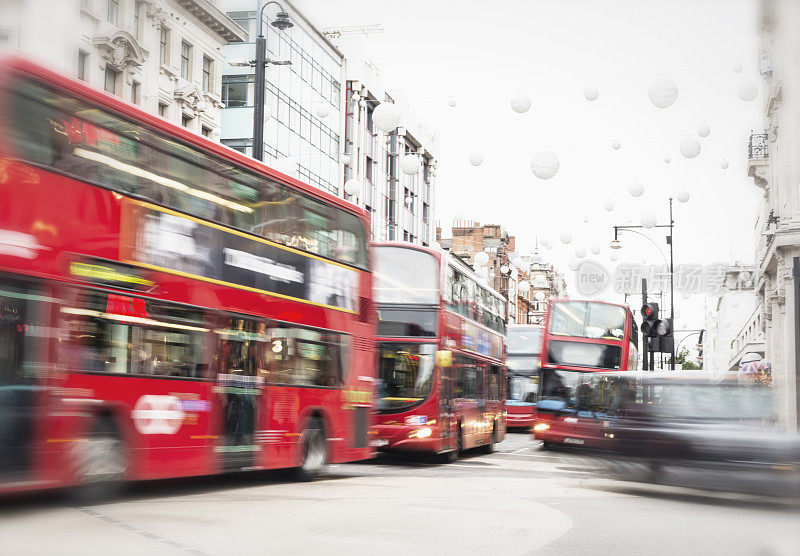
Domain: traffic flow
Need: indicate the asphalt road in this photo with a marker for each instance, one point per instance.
(519, 500)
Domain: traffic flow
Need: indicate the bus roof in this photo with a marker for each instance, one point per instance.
(11, 65)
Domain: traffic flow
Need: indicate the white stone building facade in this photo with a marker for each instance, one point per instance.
(401, 204)
(164, 56)
(774, 165)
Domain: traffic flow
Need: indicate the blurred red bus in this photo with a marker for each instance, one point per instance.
(441, 385)
(583, 340)
(524, 362)
(168, 307)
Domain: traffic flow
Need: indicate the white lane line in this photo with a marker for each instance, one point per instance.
(521, 450)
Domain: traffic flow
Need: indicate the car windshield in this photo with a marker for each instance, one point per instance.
(587, 394)
(406, 375)
(522, 389)
(586, 319)
(712, 402)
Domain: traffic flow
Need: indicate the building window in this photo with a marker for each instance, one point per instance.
(207, 74)
(186, 121)
(247, 21)
(137, 19)
(244, 146)
(110, 81)
(163, 109)
(237, 90)
(206, 131)
(82, 58)
(5, 39)
(163, 52)
(186, 60)
(112, 9)
(136, 94)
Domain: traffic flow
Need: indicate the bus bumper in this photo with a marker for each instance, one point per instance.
(408, 439)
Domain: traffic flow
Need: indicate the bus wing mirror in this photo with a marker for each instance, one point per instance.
(444, 358)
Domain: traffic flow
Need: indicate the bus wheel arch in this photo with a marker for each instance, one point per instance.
(313, 453)
(100, 459)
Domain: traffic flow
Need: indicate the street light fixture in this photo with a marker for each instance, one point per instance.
(616, 244)
(281, 23)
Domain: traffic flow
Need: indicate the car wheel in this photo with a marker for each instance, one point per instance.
(313, 452)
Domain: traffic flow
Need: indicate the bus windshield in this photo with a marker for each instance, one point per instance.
(585, 393)
(406, 375)
(403, 275)
(524, 340)
(587, 320)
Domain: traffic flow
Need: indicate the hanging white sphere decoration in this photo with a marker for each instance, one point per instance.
(737, 67)
(667, 159)
(615, 145)
(547, 244)
(608, 206)
(690, 147)
(585, 219)
(648, 220)
(663, 92)
(322, 109)
(614, 257)
(636, 189)
(481, 258)
(591, 93)
(386, 117)
(580, 253)
(544, 164)
(409, 200)
(504, 269)
(409, 164)
(683, 196)
(724, 164)
(352, 186)
(524, 287)
(703, 130)
(540, 296)
(595, 249)
(747, 91)
(452, 102)
(566, 238)
(475, 157)
(345, 159)
(520, 103)
(574, 264)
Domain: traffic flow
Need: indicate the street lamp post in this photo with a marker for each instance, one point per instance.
(281, 23)
(615, 244)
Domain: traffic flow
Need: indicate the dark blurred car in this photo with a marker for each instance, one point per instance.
(700, 433)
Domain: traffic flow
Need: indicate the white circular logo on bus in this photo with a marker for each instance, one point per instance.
(157, 414)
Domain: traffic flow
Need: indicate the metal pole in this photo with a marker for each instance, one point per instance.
(260, 85)
(644, 338)
(796, 278)
(671, 286)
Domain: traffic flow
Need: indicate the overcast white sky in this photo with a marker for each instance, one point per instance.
(483, 52)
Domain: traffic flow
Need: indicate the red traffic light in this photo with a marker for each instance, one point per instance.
(650, 311)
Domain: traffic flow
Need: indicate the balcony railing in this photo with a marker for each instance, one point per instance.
(758, 147)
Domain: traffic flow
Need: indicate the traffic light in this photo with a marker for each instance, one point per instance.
(650, 316)
(659, 330)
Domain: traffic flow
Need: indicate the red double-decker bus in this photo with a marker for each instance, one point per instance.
(441, 384)
(168, 307)
(524, 362)
(578, 398)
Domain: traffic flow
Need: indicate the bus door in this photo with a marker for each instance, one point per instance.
(483, 409)
(239, 342)
(447, 412)
(18, 392)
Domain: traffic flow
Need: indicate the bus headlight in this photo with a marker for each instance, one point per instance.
(421, 433)
(541, 427)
